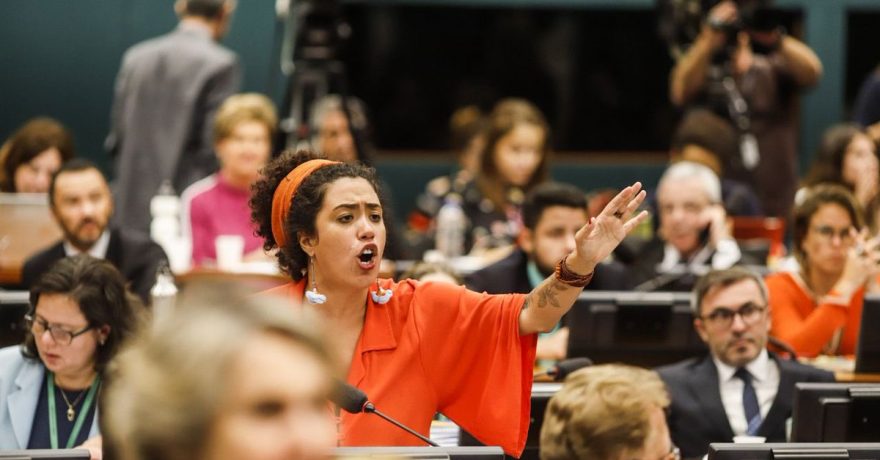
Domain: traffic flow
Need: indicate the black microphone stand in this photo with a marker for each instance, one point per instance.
(371, 409)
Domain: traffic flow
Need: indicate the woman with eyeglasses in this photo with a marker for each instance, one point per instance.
(80, 314)
(817, 309)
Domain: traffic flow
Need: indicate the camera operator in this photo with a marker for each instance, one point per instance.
(749, 71)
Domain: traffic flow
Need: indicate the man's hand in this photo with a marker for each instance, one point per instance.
(722, 13)
(714, 217)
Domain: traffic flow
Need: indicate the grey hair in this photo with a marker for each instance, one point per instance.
(684, 170)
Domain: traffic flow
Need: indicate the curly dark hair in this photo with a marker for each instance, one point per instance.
(99, 290)
(303, 208)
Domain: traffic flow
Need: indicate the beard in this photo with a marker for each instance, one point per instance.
(77, 238)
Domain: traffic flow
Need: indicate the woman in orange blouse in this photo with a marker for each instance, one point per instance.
(415, 348)
(818, 309)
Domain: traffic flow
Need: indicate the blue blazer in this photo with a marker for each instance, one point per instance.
(20, 381)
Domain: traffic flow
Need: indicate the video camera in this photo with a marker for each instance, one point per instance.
(319, 31)
(752, 16)
(680, 21)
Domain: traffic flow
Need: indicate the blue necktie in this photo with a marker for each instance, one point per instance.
(750, 402)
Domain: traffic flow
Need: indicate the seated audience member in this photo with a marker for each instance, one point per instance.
(401, 341)
(848, 157)
(818, 307)
(552, 214)
(338, 140)
(705, 138)
(81, 312)
(739, 388)
(514, 160)
(81, 204)
(467, 127)
(692, 237)
(30, 157)
(432, 271)
(225, 377)
(218, 204)
(608, 412)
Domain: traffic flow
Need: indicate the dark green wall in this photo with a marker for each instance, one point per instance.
(60, 57)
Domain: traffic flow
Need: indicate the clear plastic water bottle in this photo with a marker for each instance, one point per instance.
(165, 210)
(451, 226)
(165, 228)
(164, 293)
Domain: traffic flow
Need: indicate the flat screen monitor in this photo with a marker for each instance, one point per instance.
(646, 329)
(13, 306)
(868, 348)
(40, 454)
(541, 394)
(422, 453)
(836, 412)
(791, 451)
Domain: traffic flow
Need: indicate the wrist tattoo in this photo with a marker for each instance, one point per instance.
(546, 293)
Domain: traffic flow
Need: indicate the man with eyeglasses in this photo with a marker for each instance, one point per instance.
(739, 388)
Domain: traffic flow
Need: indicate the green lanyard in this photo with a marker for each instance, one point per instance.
(53, 415)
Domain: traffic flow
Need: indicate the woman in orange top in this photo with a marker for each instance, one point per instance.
(818, 309)
(415, 348)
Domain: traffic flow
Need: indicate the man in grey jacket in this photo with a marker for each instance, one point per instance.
(167, 92)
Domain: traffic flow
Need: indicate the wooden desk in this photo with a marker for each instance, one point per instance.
(846, 376)
(843, 368)
(26, 226)
(250, 281)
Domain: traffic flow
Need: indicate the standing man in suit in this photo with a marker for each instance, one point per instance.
(80, 200)
(552, 213)
(167, 92)
(739, 388)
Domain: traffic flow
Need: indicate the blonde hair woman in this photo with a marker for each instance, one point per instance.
(226, 377)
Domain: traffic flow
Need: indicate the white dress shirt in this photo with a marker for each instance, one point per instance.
(724, 255)
(765, 379)
(98, 250)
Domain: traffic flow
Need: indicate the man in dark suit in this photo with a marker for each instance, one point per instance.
(692, 236)
(552, 214)
(80, 200)
(167, 92)
(739, 388)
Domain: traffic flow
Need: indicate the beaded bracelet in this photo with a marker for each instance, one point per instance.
(565, 275)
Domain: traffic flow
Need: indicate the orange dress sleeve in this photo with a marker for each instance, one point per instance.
(799, 321)
(479, 365)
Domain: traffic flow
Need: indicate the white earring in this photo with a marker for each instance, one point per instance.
(381, 296)
(314, 297)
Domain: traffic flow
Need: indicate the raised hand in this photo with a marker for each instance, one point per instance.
(598, 238)
(861, 262)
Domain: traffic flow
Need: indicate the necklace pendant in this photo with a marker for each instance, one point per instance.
(71, 414)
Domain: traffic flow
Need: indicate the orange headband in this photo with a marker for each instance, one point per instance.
(284, 193)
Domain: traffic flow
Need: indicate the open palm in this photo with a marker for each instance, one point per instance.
(598, 238)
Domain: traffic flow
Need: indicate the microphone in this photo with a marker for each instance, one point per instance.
(355, 401)
(561, 370)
